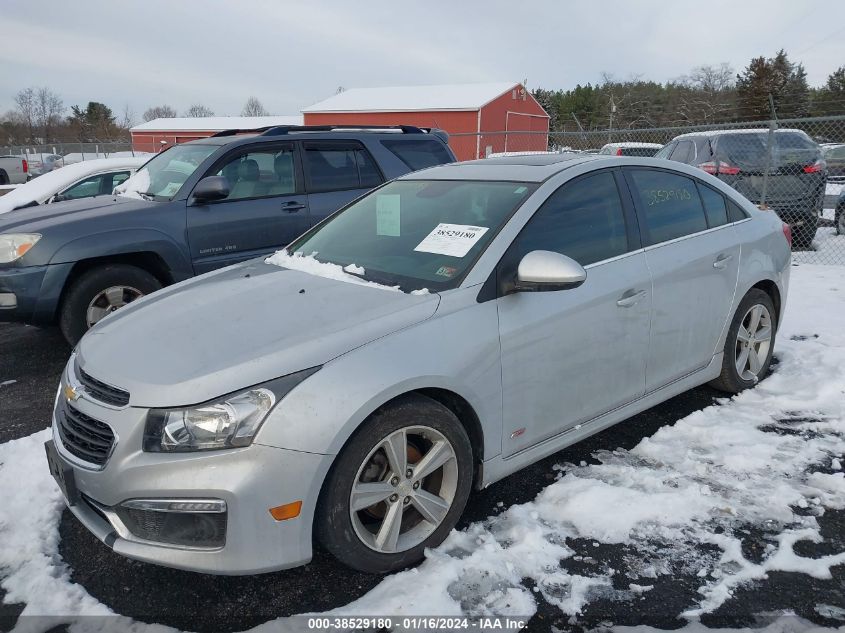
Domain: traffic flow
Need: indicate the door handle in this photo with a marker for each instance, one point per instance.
(722, 261)
(292, 207)
(630, 298)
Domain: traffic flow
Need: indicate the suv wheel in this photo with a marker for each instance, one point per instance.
(399, 486)
(803, 236)
(98, 293)
(749, 344)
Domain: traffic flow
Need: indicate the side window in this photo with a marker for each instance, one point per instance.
(419, 154)
(583, 220)
(261, 174)
(735, 213)
(670, 203)
(682, 152)
(714, 206)
(83, 189)
(117, 178)
(335, 168)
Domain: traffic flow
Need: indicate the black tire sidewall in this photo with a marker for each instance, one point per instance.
(72, 314)
(730, 376)
(4, 179)
(333, 524)
(805, 234)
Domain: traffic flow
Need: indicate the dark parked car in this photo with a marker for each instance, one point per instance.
(839, 218)
(193, 208)
(796, 179)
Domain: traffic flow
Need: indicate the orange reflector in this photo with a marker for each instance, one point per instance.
(22, 249)
(287, 511)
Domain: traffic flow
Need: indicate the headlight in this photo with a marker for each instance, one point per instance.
(229, 422)
(14, 245)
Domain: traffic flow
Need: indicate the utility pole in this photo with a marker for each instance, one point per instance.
(580, 127)
(773, 122)
(612, 112)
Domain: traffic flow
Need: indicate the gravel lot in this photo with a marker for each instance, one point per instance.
(33, 358)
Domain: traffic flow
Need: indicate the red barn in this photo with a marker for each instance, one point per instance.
(474, 115)
(155, 135)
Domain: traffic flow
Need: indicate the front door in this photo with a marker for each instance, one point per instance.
(265, 210)
(571, 355)
(693, 254)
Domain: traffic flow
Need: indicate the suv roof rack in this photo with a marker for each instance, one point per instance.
(280, 130)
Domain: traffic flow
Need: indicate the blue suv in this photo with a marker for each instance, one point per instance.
(193, 208)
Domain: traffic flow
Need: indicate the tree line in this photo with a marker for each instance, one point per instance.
(709, 94)
(41, 117)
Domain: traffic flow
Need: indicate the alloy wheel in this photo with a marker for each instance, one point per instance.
(404, 489)
(109, 300)
(753, 342)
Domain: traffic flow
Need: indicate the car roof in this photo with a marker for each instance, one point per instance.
(247, 137)
(758, 130)
(530, 168)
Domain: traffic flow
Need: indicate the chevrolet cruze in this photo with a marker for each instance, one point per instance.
(437, 334)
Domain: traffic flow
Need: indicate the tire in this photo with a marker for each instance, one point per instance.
(840, 221)
(4, 179)
(91, 287)
(354, 538)
(731, 380)
(803, 236)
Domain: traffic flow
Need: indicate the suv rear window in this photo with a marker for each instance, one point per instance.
(748, 150)
(419, 154)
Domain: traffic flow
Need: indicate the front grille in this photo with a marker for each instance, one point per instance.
(83, 436)
(101, 391)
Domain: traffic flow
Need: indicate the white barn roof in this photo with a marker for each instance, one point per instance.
(215, 123)
(413, 98)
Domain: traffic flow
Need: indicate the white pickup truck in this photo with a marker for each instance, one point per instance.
(14, 170)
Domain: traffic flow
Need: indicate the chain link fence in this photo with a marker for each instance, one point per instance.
(67, 153)
(794, 167)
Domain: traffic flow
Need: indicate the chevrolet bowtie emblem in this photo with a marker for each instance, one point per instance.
(71, 394)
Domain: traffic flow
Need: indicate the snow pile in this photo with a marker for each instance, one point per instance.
(135, 185)
(769, 460)
(308, 264)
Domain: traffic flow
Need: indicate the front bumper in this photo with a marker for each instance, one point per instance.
(30, 294)
(250, 480)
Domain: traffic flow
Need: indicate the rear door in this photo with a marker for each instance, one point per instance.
(571, 355)
(265, 210)
(693, 254)
(336, 172)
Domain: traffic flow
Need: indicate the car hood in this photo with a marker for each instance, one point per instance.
(238, 327)
(38, 218)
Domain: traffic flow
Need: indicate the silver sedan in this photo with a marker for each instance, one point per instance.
(439, 333)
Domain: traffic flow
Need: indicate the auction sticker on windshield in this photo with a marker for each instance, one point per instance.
(454, 240)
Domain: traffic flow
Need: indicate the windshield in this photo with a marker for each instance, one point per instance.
(415, 234)
(163, 176)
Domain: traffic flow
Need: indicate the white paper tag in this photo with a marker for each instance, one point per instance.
(171, 189)
(387, 214)
(454, 240)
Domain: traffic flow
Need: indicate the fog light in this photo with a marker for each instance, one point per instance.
(8, 300)
(187, 523)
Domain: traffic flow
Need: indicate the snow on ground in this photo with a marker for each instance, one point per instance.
(769, 459)
(828, 248)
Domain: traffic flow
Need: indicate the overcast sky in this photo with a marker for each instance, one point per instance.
(290, 55)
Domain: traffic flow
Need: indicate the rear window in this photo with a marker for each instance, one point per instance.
(640, 151)
(670, 202)
(749, 150)
(419, 154)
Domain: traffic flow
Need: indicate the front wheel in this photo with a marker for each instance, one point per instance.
(99, 292)
(749, 343)
(399, 486)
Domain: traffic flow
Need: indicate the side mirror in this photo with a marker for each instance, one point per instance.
(547, 270)
(211, 188)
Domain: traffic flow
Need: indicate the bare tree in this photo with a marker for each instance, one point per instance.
(253, 107)
(127, 118)
(159, 112)
(25, 104)
(198, 110)
(711, 79)
(49, 108)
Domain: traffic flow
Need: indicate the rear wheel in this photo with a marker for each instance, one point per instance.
(98, 293)
(749, 343)
(399, 486)
(4, 178)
